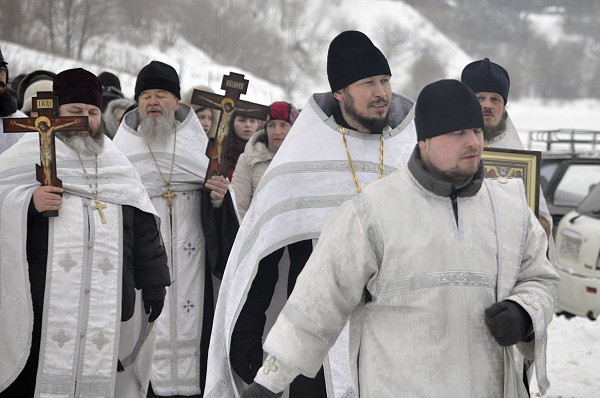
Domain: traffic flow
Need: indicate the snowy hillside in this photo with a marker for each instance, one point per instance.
(401, 32)
(193, 66)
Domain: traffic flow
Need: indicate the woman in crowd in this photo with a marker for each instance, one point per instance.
(241, 129)
(259, 152)
(208, 117)
(113, 114)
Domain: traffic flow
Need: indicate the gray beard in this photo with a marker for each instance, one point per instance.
(84, 146)
(156, 132)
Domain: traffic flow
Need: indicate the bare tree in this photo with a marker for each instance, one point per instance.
(426, 69)
(11, 19)
(67, 26)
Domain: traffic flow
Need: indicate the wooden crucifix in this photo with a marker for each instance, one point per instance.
(46, 124)
(230, 105)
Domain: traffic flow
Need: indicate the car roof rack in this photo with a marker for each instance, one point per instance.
(568, 140)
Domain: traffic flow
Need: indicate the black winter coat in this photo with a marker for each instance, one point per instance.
(145, 267)
(144, 259)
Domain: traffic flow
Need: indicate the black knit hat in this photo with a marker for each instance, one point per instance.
(157, 75)
(446, 106)
(77, 85)
(353, 56)
(486, 76)
(108, 79)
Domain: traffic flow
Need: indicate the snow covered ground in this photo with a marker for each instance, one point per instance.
(535, 114)
(573, 359)
(573, 345)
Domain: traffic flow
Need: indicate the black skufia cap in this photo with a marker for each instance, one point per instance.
(446, 106)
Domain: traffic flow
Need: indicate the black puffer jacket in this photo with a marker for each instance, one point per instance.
(144, 259)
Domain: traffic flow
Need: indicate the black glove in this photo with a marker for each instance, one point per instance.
(154, 308)
(255, 390)
(508, 322)
(246, 354)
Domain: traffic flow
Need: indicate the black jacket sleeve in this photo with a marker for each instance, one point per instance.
(144, 258)
(220, 226)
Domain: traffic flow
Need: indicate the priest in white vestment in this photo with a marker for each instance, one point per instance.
(67, 282)
(342, 141)
(491, 83)
(442, 273)
(165, 142)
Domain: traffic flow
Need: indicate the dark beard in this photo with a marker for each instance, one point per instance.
(373, 125)
(84, 146)
(455, 177)
(492, 132)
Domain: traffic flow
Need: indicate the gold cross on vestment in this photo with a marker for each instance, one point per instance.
(169, 195)
(99, 206)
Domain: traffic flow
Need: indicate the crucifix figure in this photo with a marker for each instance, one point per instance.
(230, 105)
(46, 124)
(169, 195)
(99, 206)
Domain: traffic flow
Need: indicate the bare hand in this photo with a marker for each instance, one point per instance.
(46, 198)
(218, 186)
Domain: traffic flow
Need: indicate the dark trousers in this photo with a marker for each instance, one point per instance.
(252, 316)
(151, 394)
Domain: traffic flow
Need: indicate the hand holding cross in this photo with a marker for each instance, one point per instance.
(46, 124)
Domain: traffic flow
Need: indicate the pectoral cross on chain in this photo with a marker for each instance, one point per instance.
(169, 195)
(99, 206)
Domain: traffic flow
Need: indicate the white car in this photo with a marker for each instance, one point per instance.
(578, 258)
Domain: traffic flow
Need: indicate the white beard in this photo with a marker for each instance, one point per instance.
(156, 132)
(84, 146)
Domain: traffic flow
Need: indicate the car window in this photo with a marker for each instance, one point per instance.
(590, 205)
(576, 183)
(546, 172)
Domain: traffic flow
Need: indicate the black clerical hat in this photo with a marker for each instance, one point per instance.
(486, 76)
(157, 75)
(78, 85)
(353, 56)
(446, 106)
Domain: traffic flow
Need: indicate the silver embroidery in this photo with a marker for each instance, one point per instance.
(67, 262)
(423, 281)
(269, 366)
(105, 266)
(284, 207)
(298, 318)
(529, 300)
(322, 167)
(61, 338)
(367, 221)
(100, 340)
